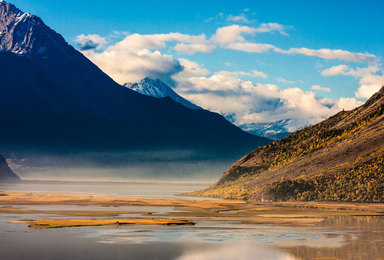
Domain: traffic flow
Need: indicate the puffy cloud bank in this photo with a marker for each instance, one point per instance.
(152, 55)
(247, 102)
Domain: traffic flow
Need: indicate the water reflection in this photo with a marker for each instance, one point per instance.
(246, 251)
(363, 239)
(148, 189)
(338, 237)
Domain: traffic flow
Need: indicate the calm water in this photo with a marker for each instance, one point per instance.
(145, 188)
(338, 237)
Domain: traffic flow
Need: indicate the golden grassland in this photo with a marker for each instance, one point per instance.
(184, 211)
(339, 159)
(364, 182)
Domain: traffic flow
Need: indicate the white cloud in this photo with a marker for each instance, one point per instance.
(260, 74)
(193, 48)
(131, 60)
(365, 91)
(283, 80)
(332, 54)
(253, 73)
(320, 88)
(270, 27)
(232, 37)
(191, 69)
(371, 78)
(246, 102)
(335, 70)
(192, 44)
(238, 18)
(232, 33)
(250, 47)
(347, 103)
(138, 56)
(90, 41)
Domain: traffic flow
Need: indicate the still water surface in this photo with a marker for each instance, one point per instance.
(336, 238)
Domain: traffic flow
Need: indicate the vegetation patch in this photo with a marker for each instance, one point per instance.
(362, 183)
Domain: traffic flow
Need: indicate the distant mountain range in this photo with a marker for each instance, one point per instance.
(340, 159)
(274, 130)
(158, 89)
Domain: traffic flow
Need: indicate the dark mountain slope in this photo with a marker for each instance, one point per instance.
(52, 97)
(341, 158)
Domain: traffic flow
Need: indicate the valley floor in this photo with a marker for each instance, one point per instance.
(189, 210)
(294, 230)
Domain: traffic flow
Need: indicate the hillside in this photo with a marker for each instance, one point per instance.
(53, 98)
(338, 159)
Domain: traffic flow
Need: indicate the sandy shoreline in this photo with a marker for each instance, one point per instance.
(188, 210)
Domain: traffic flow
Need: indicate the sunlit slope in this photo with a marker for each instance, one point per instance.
(338, 159)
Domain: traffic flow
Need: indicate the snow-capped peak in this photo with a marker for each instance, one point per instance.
(157, 88)
(26, 34)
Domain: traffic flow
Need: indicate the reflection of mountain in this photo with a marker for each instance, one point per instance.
(156, 88)
(341, 158)
(6, 174)
(52, 97)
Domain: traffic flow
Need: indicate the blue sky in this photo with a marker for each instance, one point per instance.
(348, 33)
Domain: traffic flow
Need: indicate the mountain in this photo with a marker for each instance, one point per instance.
(338, 159)
(274, 130)
(6, 174)
(158, 89)
(53, 98)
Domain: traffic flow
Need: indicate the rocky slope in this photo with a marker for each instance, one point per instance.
(54, 98)
(6, 174)
(340, 159)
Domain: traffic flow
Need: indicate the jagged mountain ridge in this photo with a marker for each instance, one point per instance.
(341, 158)
(158, 89)
(52, 96)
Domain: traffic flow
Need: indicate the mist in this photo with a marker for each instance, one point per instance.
(165, 165)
